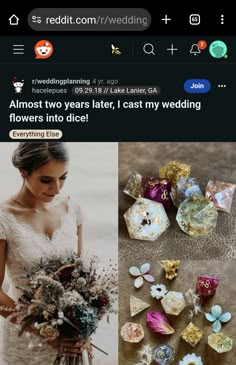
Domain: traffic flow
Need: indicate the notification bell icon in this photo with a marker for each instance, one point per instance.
(194, 49)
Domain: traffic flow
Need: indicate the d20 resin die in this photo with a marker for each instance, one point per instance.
(221, 194)
(146, 220)
(157, 189)
(173, 303)
(197, 216)
(184, 188)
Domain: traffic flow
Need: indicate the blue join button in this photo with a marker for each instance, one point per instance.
(197, 86)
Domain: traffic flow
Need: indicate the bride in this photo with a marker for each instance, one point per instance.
(34, 223)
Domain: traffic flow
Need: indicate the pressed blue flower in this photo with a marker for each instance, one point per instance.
(217, 317)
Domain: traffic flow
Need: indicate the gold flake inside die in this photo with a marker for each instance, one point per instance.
(192, 334)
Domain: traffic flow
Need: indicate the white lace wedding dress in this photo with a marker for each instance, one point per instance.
(25, 247)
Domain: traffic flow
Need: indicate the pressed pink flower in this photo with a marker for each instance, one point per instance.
(158, 322)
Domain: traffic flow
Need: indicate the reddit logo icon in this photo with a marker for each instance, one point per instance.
(43, 49)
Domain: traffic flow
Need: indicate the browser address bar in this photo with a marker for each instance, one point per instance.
(85, 19)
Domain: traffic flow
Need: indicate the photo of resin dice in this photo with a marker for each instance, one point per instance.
(146, 220)
(192, 334)
(221, 194)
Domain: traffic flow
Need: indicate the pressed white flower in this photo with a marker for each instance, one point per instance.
(197, 309)
(145, 355)
(191, 360)
(60, 314)
(194, 300)
(191, 296)
(158, 291)
(190, 314)
(60, 321)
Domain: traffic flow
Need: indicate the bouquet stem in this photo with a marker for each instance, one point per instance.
(68, 360)
(104, 352)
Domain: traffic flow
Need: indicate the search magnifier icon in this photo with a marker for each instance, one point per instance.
(148, 48)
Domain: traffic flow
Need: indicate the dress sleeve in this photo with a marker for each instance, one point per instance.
(3, 235)
(78, 212)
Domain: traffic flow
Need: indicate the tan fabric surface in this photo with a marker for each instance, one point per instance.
(215, 160)
(187, 276)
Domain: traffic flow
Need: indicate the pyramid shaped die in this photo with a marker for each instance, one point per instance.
(137, 305)
(146, 220)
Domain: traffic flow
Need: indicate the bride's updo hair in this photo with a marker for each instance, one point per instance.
(32, 155)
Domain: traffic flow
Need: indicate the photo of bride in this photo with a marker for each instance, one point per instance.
(40, 226)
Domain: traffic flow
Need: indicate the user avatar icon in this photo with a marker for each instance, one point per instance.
(18, 85)
(218, 49)
(43, 49)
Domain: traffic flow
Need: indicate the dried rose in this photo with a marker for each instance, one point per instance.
(103, 300)
(49, 332)
(51, 308)
(65, 272)
(158, 322)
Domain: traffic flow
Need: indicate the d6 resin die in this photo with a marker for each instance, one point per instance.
(192, 334)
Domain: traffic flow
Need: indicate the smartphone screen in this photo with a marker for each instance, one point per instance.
(143, 100)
